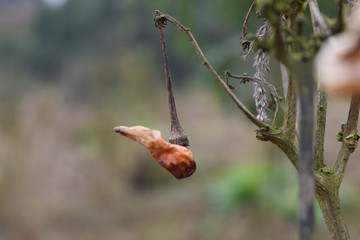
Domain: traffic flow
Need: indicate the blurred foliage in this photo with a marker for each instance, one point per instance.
(92, 32)
(239, 186)
(83, 36)
(258, 185)
(265, 186)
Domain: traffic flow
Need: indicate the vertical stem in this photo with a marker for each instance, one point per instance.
(171, 99)
(244, 28)
(321, 110)
(327, 191)
(327, 194)
(340, 6)
(319, 27)
(353, 116)
(306, 176)
(289, 125)
(177, 134)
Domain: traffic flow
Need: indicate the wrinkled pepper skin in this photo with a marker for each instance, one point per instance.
(178, 160)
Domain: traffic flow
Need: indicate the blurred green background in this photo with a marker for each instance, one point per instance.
(72, 70)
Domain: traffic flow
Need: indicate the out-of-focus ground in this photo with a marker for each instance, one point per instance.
(70, 73)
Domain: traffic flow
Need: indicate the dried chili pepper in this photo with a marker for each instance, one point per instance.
(178, 160)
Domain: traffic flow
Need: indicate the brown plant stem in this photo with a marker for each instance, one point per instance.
(244, 28)
(159, 16)
(177, 134)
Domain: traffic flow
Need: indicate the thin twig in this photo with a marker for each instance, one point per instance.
(318, 20)
(244, 28)
(340, 6)
(159, 16)
(350, 138)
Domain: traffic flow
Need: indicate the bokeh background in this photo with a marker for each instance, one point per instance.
(71, 70)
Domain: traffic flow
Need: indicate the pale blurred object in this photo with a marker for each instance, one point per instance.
(55, 3)
(178, 160)
(338, 61)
